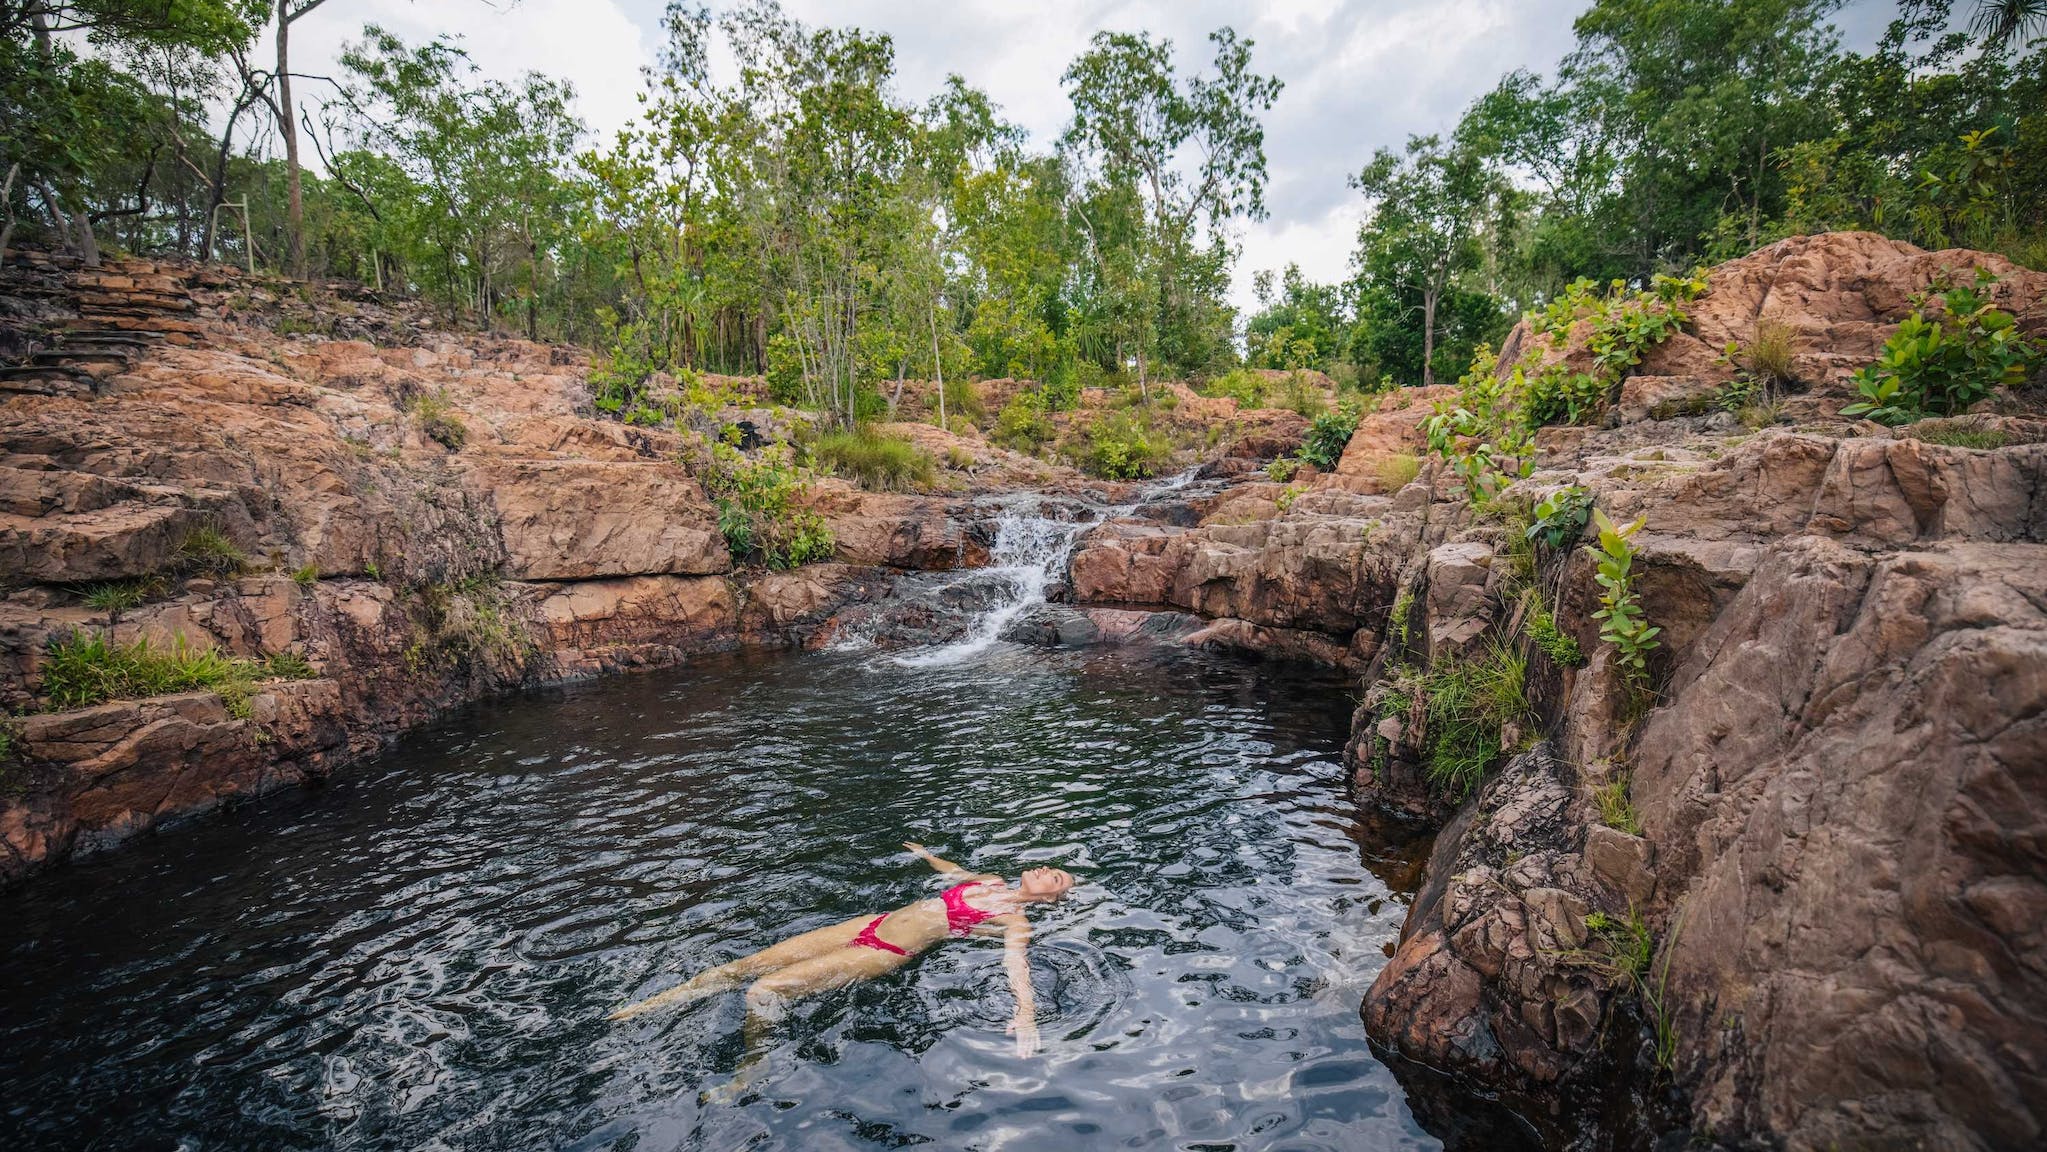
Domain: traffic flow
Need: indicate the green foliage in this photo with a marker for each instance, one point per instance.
(1247, 387)
(1287, 496)
(459, 624)
(1118, 446)
(1622, 624)
(117, 596)
(1616, 810)
(1552, 641)
(1629, 948)
(1559, 517)
(756, 507)
(1466, 705)
(1940, 363)
(87, 668)
(438, 421)
(1282, 469)
(1328, 435)
(306, 575)
(874, 460)
(289, 666)
(1958, 434)
(209, 551)
(1024, 425)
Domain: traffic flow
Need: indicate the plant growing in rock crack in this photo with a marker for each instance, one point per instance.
(1467, 707)
(1616, 808)
(87, 668)
(1939, 363)
(117, 596)
(1552, 641)
(1560, 516)
(1621, 622)
(211, 552)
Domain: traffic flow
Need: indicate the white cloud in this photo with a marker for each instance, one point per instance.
(593, 44)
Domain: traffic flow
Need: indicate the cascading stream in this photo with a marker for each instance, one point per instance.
(1034, 539)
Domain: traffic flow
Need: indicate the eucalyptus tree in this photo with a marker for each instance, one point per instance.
(1166, 164)
(1428, 205)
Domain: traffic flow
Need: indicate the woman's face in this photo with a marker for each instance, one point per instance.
(1045, 883)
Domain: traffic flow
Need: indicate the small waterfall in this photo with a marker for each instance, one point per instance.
(1034, 539)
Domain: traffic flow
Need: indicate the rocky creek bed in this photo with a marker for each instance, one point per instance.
(1837, 863)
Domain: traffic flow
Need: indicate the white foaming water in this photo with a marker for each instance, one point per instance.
(1031, 550)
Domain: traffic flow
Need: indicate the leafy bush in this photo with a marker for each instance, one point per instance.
(1621, 621)
(1282, 469)
(1302, 396)
(87, 668)
(873, 460)
(211, 552)
(1554, 642)
(1328, 435)
(1025, 423)
(1481, 435)
(1119, 447)
(1558, 518)
(1941, 365)
(1246, 387)
(756, 507)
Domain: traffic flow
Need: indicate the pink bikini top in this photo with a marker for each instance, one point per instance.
(960, 916)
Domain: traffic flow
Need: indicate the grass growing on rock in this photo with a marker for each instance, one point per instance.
(1958, 434)
(87, 668)
(208, 551)
(1467, 706)
(874, 460)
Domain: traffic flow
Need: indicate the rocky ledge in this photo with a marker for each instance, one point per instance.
(1790, 897)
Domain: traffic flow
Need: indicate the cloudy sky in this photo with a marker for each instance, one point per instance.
(1360, 74)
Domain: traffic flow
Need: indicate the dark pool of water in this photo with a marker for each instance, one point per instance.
(422, 954)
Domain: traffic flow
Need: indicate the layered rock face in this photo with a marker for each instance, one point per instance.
(427, 517)
(1820, 927)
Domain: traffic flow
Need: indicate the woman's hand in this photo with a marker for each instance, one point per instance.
(935, 862)
(1024, 1026)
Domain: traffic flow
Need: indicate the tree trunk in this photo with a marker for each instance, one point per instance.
(296, 209)
(1429, 335)
(938, 367)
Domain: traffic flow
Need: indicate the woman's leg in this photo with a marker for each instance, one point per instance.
(795, 950)
(768, 999)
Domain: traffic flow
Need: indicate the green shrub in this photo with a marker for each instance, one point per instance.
(1288, 495)
(876, 462)
(87, 668)
(1301, 395)
(1622, 624)
(1117, 446)
(756, 507)
(1246, 387)
(1958, 434)
(1466, 705)
(438, 421)
(1024, 424)
(1328, 435)
(1283, 469)
(1554, 642)
(210, 552)
(1942, 364)
(1560, 516)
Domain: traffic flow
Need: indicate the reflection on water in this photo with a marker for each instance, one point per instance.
(421, 956)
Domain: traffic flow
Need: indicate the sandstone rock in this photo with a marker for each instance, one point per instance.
(1458, 610)
(579, 520)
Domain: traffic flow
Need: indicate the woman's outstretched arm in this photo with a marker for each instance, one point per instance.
(934, 861)
(1016, 939)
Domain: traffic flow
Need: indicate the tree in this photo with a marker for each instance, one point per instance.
(1423, 231)
(290, 12)
(1160, 157)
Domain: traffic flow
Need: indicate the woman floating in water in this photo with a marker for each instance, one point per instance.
(869, 946)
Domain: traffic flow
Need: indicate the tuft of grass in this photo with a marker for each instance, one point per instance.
(438, 421)
(958, 458)
(1398, 471)
(1467, 703)
(211, 552)
(87, 668)
(117, 596)
(1770, 352)
(1629, 947)
(1756, 417)
(289, 666)
(876, 462)
(1616, 810)
(1958, 434)
(1282, 469)
(306, 576)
